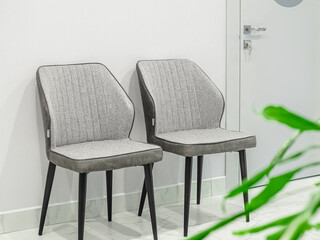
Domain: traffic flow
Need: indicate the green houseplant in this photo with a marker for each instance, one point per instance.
(288, 227)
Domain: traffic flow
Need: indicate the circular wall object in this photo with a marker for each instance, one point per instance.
(289, 3)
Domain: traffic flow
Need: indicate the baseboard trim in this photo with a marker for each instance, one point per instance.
(58, 213)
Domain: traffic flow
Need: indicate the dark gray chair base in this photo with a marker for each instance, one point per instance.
(82, 198)
(47, 192)
(82, 204)
(187, 191)
(199, 178)
(187, 187)
(109, 175)
(243, 168)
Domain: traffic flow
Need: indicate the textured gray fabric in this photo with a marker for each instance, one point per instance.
(89, 117)
(85, 103)
(103, 149)
(197, 142)
(186, 109)
(203, 136)
(184, 97)
(105, 155)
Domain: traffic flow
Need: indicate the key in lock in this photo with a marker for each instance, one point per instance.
(247, 45)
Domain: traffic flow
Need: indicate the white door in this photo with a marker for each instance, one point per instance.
(282, 68)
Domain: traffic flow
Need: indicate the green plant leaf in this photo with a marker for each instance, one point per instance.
(279, 222)
(297, 224)
(285, 147)
(247, 184)
(282, 115)
(301, 223)
(293, 226)
(298, 232)
(221, 224)
(275, 185)
(276, 236)
(301, 153)
(315, 226)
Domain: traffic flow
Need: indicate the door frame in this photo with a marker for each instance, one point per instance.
(233, 84)
(234, 48)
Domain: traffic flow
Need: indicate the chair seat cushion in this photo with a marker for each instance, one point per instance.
(197, 142)
(104, 155)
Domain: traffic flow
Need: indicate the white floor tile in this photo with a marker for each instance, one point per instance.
(128, 225)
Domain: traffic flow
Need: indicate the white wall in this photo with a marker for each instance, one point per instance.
(317, 60)
(116, 33)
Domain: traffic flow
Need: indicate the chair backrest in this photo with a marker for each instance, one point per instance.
(83, 102)
(178, 95)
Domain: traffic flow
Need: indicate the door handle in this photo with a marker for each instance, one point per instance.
(248, 29)
(259, 29)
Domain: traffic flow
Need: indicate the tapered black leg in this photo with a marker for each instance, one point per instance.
(187, 190)
(149, 187)
(109, 194)
(47, 192)
(199, 178)
(143, 198)
(243, 168)
(82, 204)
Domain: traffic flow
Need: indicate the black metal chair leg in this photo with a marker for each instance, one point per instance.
(199, 178)
(149, 187)
(47, 192)
(243, 168)
(109, 194)
(187, 190)
(82, 204)
(143, 197)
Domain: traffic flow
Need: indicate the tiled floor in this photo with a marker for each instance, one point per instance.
(128, 225)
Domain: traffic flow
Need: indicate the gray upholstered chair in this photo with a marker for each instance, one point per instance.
(87, 119)
(183, 111)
